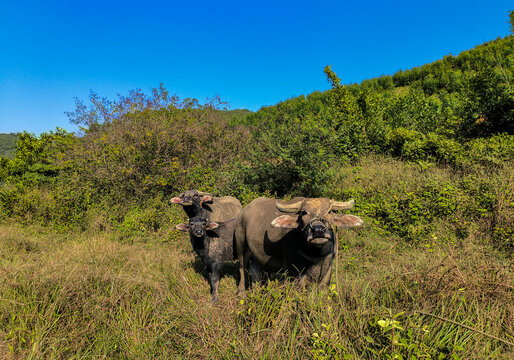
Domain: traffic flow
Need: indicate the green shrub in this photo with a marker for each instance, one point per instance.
(492, 151)
(414, 146)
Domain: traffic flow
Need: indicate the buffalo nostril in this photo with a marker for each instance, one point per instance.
(318, 229)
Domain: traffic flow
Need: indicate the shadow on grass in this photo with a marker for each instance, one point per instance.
(230, 269)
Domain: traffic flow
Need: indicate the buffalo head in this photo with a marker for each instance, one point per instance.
(197, 226)
(315, 218)
(188, 197)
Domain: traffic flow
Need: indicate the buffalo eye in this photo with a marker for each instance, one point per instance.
(306, 218)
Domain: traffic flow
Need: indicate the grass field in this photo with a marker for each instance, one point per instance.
(88, 295)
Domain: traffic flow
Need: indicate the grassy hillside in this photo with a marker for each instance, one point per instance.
(7, 145)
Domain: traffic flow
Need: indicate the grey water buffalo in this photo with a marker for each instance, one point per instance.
(196, 203)
(213, 242)
(295, 236)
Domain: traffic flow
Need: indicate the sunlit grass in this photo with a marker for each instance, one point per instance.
(90, 296)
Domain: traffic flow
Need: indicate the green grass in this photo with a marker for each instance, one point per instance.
(87, 295)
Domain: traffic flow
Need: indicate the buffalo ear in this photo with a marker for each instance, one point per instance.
(182, 227)
(206, 198)
(212, 225)
(176, 200)
(286, 221)
(346, 220)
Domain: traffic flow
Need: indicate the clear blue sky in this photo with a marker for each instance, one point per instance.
(251, 53)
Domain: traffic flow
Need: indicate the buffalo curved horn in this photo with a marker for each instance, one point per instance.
(289, 208)
(201, 193)
(342, 205)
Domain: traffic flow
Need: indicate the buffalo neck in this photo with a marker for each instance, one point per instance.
(198, 244)
(315, 253)
(197, 210)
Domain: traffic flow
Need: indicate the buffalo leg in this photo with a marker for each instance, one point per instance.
(244, 260)
(214, 281)
(241, 248)
(256, 272)
(326, 271)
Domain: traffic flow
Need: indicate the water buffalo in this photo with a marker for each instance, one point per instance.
(213, 242)
(301, 242)
(196, 203)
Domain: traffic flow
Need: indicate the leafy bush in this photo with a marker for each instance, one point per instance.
(414, 146)
(35, 157)
(492, 151)
(8, 145)
(132, 150)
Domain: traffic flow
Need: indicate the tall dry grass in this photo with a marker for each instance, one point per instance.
(74, 296)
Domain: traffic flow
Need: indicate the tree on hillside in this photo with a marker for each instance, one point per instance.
(103, 111)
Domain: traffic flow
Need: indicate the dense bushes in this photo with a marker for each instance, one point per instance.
(454, 115)
(449, 112)
(419, 202)
(35, 159)
(121, 165)
(8, 144)
(151, 151)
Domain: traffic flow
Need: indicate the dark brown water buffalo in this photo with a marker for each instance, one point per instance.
(214, 244)
(196, 203)
(295, 236)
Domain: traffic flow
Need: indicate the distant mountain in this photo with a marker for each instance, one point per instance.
(236, 115)
(8, 144)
